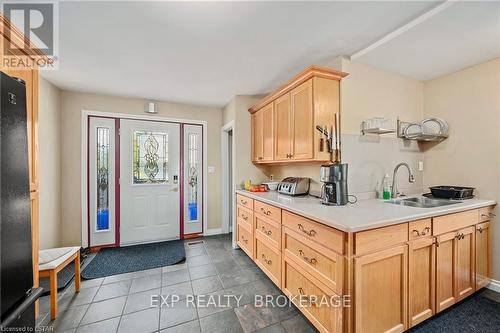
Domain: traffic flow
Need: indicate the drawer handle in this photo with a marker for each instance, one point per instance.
(267, 232)
(244, 202)
(311, 232)
(243, 238)
(312, 261)
(460, 236)
(244, 217)
(488, 215)
(265, 212)
(424, 232)
(301, 291)
(480, 229)
(267, 261)
(312, 300)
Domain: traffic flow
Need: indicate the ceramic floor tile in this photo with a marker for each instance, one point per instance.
(177, 313)
(254, 318)
(203, 271)
(298, 324)
(105, 326)
(180, 289)
(178, 276)
(143, 321)
(189, 327)
(140, 301)
(198, 260)
(72, 299)
(206, 285)
(113, 290)
(104, 310)
(70, 318)
(225, 321)
(145, 283)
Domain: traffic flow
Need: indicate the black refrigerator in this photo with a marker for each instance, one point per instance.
(16, 274)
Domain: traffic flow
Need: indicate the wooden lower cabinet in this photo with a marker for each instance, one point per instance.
(421, 280)
(268, 259)
(317, 302)
(244, 238)
(483, 255)
(466, 277)
(380, 291)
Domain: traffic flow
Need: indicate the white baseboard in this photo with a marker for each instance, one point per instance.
(494, 285)
(211, 232)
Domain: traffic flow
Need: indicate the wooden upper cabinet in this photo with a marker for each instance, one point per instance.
(308, 100)
(302, 121)
(282, 128)
(263, 134)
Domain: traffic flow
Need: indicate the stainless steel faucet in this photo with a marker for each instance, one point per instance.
(411, 178)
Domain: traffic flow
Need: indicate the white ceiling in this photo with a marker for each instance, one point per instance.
(461, 35)
(206, 52)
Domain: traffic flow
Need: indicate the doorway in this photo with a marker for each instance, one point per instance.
(228, 179)
(144, 181)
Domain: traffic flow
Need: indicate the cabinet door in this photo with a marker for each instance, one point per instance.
(257, 135)
(282, 125)
(421, 278)
(466, 277)
(268, 132)
(483, 255)
(302, 120)
(445, 271)
(381, 291)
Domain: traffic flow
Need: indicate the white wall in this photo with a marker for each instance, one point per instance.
(469, 100)
(49, 164)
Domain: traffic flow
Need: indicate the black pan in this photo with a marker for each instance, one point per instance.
(452, 192)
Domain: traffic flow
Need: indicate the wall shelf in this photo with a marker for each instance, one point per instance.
(417, 130)
(377, 130)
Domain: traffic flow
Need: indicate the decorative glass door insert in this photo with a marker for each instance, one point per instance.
(102, 165)
(193, 176)
(150, 157)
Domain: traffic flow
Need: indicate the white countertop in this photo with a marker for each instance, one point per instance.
(363, 215)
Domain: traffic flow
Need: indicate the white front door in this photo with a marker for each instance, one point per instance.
(149, 181)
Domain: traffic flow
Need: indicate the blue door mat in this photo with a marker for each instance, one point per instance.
(120, 260)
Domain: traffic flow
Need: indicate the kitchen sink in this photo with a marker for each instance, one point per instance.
(422, 202)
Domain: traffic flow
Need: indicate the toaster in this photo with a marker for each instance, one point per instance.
(294, 186)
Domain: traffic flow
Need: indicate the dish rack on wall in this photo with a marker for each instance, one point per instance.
(430, 129)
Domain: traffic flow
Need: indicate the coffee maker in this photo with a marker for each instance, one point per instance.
(334, 177)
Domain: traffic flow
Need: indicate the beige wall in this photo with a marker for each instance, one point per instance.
(237, 110)
(72, 105)
(366, 93)
(470, 101)
(49, 164)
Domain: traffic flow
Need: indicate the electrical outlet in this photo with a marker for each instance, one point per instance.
(420, 166)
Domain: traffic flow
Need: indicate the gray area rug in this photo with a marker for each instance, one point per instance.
(119, 260)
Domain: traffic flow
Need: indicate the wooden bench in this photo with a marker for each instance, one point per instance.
(52, 261)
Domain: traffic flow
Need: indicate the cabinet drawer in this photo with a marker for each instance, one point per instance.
(377, 239)
(244, 238)
(447, 223)
(269, 229)
(419, 229)
(269, 211)
(245, 215)
(486, 214)
(269, 260)
(325, 265)
(313, 299)
(326, 236)
(244, 201)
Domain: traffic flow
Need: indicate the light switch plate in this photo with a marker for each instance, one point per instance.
(211, 169)
(420, 166)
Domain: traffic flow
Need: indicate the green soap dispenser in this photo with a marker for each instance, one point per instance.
(386, 188)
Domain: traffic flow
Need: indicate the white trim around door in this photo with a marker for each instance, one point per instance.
(228, 207)
(84, 162)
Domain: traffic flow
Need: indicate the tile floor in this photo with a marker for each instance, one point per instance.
(122, 303)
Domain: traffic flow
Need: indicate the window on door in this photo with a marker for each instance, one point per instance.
(102, 186)
(150, 157)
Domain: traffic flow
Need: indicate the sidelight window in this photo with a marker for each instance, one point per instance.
(102, 166)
